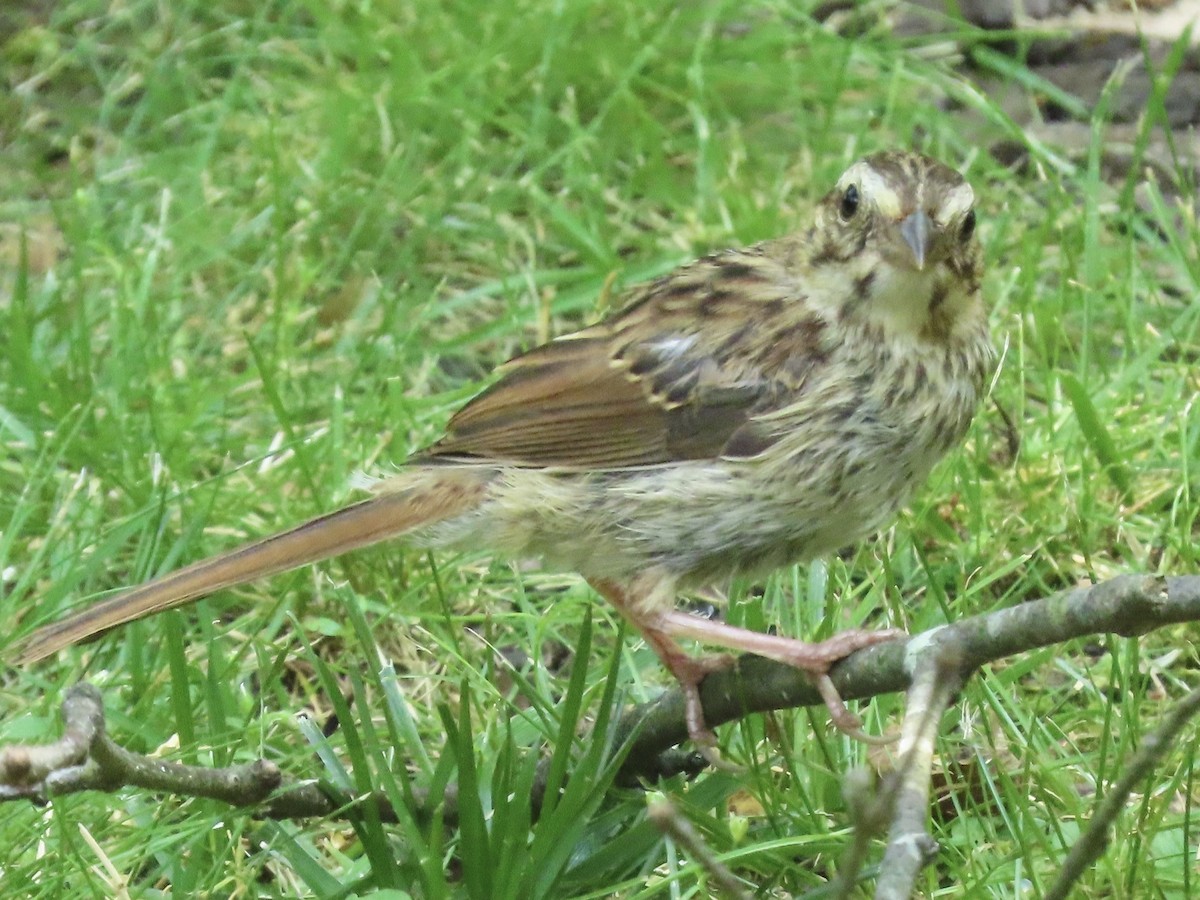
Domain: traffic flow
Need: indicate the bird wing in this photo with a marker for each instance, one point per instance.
(680, 374)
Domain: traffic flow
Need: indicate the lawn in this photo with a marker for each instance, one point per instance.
(248, 250)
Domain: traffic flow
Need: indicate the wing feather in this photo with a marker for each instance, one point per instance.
(680, 374)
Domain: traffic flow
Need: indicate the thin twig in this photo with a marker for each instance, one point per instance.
(86, 759)
(24, 768)
(870, 809)
(1094, 841)
(668, 820)
(937, 680)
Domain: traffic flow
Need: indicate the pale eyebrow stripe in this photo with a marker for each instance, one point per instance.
(874, 187)
(958, 201)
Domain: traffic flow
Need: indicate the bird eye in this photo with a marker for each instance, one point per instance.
(968, 226)
(849, 203)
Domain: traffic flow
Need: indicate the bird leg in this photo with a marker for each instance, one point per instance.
(688, 670)
(813, 659)
(660, 628)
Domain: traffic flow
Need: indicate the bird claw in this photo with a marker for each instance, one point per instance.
(690, 674)
(843, 719)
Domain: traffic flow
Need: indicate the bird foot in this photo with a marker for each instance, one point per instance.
(815, 659)
(690, 672)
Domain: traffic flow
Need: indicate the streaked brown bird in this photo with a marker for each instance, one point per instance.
(753, 408)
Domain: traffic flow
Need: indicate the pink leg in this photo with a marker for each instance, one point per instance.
(814, 659)
(659, 628)
(688, 670)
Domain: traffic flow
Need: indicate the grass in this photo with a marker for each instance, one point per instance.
(247, 249)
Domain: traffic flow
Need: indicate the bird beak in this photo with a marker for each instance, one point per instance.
(916, 229)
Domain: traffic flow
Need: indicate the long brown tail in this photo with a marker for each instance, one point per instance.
(384, 516)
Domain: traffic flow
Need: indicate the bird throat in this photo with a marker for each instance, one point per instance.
(907, 303)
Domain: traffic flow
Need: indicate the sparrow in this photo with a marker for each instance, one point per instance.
(751, 409)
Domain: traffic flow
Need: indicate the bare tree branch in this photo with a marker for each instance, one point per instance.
(902, 799)
(86, 759)
(937, 680)
(1129, 605)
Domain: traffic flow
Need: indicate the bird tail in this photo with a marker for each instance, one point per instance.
(389, 514)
